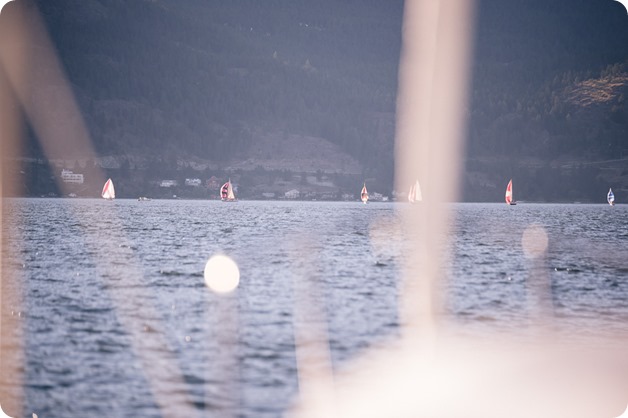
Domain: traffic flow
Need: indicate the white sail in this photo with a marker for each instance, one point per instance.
(610, 197)
(108, 191)
(415, 193)
(364, 195)
(226, 192)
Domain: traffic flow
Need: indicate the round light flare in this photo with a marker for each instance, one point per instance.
(534, 241)
(3, 3)
(221, 274)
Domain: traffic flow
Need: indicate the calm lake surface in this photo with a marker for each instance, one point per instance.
(116, 314)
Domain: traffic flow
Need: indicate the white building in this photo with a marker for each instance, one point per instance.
(168, 183)
(292, 194)
(193, 182)
(69, 177)
(376, 197)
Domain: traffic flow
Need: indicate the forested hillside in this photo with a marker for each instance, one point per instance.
(167, 79)
(206, 77)
(532, 57)
(548, 104)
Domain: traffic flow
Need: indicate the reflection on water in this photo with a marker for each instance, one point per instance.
(585, 267)
(117, 315)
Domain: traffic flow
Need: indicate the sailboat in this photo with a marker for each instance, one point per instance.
(108, 191)
(610, 197)
(226, 192)
(415, 193)
(509, 194)
(364, 195)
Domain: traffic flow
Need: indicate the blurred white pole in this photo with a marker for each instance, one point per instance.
(431, 105)
(314, 365)
(11, 330)
(37, 79)
(433, 76)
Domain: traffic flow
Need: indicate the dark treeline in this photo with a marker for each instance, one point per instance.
(205, 78)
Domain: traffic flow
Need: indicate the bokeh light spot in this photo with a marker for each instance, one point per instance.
(221, 274)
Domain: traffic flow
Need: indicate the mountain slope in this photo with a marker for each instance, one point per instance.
(214, 80)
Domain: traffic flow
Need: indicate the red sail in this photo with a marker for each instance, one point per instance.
(509, 192)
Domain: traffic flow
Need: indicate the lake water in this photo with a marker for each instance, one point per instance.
(117, 319)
